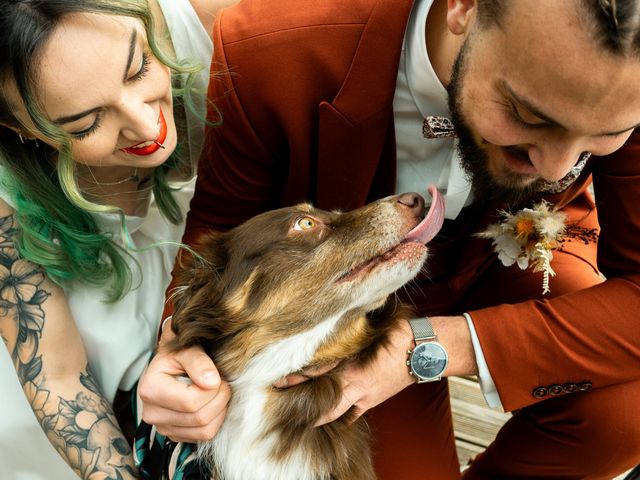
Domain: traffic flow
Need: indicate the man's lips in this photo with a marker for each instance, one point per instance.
(149, 147)
(518, 161)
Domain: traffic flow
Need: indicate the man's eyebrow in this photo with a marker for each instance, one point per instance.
(77, 116)
(502, 85)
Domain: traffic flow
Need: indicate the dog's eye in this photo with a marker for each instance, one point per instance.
(304, 223)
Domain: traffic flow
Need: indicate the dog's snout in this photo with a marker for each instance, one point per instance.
(412, 200)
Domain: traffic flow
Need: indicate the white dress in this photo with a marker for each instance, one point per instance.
(120, 337)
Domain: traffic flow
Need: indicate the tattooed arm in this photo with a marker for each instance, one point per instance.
(48, 354)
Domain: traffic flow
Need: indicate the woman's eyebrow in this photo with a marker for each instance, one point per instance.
(74, 117)
(77, 116)
(132, 50)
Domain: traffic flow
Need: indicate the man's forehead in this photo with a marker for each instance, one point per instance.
(553, 63)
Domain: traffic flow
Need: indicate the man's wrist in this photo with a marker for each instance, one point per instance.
(428, 360)
(403, 338)
(453, 333)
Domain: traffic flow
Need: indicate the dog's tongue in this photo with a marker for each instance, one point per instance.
(432, 222)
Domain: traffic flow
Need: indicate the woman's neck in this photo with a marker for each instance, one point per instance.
(127, 188)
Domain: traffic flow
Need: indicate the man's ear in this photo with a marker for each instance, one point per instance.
(460, 15)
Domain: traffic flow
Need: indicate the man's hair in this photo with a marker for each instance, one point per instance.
(614, 24)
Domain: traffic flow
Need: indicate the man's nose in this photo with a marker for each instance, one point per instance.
(554, 160)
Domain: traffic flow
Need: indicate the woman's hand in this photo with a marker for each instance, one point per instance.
(183, 395)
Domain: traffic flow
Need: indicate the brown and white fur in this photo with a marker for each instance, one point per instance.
(289, 289)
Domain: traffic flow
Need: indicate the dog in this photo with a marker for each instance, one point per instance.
(291, 289)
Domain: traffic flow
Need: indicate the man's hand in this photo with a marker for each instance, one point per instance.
(304, 375)
(365, 386)
(185, 410)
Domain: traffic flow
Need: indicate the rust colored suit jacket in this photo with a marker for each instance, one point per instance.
(305, 90)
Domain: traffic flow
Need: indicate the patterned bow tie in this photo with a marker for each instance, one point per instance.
(437, 127)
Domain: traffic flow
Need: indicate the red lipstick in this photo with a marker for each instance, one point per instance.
(152, 146)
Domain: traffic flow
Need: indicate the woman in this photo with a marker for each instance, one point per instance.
(95, 99)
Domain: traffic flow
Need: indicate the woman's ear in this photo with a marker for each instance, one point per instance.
(460, 15)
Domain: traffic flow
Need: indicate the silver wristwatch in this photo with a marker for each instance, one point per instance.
(429, 359)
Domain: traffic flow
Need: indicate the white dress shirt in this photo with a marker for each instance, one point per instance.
(430, 161)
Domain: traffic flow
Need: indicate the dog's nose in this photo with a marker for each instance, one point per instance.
(412, 200)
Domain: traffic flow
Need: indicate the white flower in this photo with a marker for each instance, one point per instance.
(527, 238)
(508, 248)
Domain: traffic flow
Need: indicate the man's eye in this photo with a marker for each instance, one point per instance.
(517, 116)
(304, 223)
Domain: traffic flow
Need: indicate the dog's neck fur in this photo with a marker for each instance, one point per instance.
(243, 432)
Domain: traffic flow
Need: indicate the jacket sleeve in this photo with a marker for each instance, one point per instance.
(589, 336)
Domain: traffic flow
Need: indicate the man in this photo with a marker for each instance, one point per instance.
(325, 101)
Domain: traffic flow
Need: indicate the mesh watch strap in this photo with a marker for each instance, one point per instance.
(422, 328)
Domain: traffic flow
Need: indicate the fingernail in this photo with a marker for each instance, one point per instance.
(210, 378)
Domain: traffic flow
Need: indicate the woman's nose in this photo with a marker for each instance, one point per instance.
(139, 122)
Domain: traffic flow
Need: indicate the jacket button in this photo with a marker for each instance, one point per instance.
(570, 388)
(584, 386)
(555, 390)
(540, 392)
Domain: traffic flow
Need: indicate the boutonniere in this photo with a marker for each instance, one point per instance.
(528, 238)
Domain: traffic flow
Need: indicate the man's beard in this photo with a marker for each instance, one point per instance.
(509, 190)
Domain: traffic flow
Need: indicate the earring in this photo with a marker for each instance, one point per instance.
(21, 139)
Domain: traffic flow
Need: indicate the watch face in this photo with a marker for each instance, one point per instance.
(429, 360)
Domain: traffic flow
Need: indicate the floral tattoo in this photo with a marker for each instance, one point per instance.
(83, 430)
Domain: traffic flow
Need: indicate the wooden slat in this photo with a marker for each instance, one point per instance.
(467, 390)
(466, 451)
(476, 424)
(473, 420)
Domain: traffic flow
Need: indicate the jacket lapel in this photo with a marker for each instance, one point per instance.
(354, 128)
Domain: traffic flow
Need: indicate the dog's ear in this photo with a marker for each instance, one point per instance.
(197, 297)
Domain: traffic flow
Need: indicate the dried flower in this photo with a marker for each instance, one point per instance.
(527, 238)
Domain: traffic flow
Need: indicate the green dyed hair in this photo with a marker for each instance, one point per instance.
(57, 228)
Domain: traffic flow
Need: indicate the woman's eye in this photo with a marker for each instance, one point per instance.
(304, 223)
(88, 131)
(144, 67)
